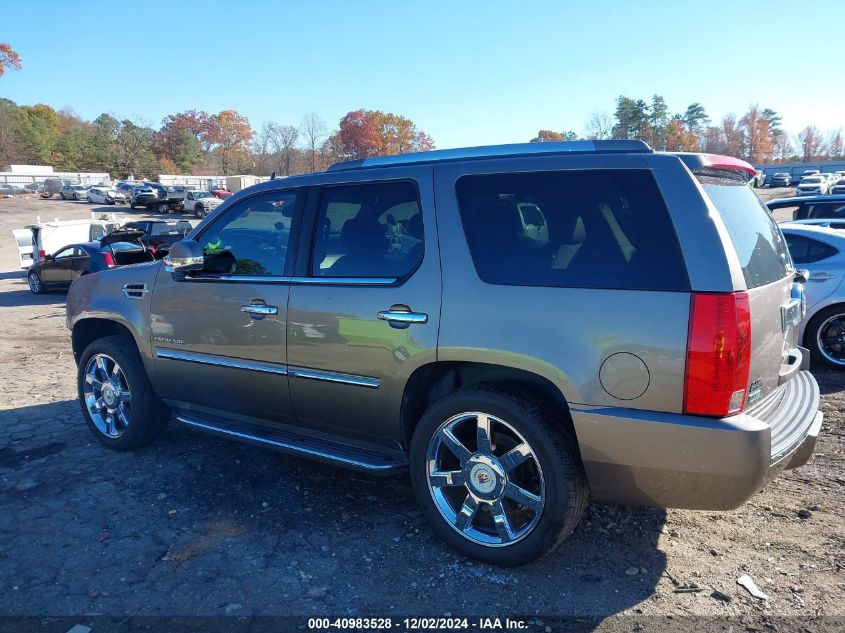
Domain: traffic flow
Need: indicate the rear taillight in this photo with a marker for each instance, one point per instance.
(42, 255)
(109, 260)
(718, 354)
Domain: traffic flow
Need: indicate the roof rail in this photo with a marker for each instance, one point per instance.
(497, 151)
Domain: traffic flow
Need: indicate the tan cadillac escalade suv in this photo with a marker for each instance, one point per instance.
(518, 326)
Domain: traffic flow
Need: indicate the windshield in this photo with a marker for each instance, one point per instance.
(202, 194)
(759, 244)
(810, 181)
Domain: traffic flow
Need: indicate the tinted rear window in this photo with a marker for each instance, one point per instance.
(578, 229)
(759, 244)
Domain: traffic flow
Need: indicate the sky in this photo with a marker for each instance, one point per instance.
(467, 73)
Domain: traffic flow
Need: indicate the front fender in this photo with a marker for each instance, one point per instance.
(103, 296)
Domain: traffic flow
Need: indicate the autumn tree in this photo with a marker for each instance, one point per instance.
(230, 133)
(758, 143)
(679, 137)
(811, 142)
(398, 134)
(544, 136)
(9, 59)
(358, 136)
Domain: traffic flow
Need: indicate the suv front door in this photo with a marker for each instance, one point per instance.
(218, 335)
(364, 306)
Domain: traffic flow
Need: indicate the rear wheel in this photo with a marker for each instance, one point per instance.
(163, 208)
(35, 283)
(497, 476)
(825, 336)
(117, 400)
(199, 211)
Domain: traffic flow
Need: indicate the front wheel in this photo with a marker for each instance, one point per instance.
(199, 212)
(497, 474)
(117, 400)
(35, 283)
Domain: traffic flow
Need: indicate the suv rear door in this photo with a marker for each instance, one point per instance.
(365, 300)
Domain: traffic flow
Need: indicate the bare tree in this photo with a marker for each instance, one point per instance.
(284, 143)
(599, 126)
(262, 146)
(313, 131)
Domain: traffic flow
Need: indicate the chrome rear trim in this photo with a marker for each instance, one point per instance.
(330, 376)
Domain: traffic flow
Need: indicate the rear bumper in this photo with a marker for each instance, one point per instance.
(681, 461)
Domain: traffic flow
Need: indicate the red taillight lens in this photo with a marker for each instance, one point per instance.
(42, 254)
(109, 259)
(718, 354)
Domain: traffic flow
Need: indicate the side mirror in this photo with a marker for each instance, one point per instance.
(802, 276)
(49, 258)
(184, 257)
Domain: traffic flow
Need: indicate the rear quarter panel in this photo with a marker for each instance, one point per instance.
(561, 334)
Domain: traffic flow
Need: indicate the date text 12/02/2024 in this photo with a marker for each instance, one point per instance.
(417, 624)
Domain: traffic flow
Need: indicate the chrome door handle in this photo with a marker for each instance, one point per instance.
(395, 316)
(820, 277)
(260, 309)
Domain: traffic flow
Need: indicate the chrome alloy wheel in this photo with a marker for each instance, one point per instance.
(107, 396)
(485, 479)
(830, 339)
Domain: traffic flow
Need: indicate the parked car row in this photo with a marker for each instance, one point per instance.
(818, 183)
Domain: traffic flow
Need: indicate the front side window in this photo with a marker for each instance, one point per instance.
(578, 229)
(368, 230)
(252, 237)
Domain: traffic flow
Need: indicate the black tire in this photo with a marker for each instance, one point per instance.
(199, 211)
(36, 286)
(60, 194)
(163, 208)
(131, 205)
(811, 335)
(546, 431)
(148, 416)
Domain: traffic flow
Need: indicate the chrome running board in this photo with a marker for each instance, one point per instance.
(314, 448)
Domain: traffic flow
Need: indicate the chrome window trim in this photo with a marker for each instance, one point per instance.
(218, 361)
(264, 279)
(331, 376)
(345, 281)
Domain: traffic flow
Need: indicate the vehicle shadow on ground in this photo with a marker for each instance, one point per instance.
(21, 295)
(14, 274)
(194, 523)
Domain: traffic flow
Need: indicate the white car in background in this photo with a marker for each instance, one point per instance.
(818, 246)
(106, 195)
(838, 186)
(813, 186)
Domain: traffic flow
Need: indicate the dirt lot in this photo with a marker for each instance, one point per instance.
(196, 525)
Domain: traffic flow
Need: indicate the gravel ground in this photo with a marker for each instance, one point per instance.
(195, 525)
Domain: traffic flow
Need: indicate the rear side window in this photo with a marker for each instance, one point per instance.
(758, 242)
(574, 229)
(805, 250)
(371, 230)
(825, 210)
